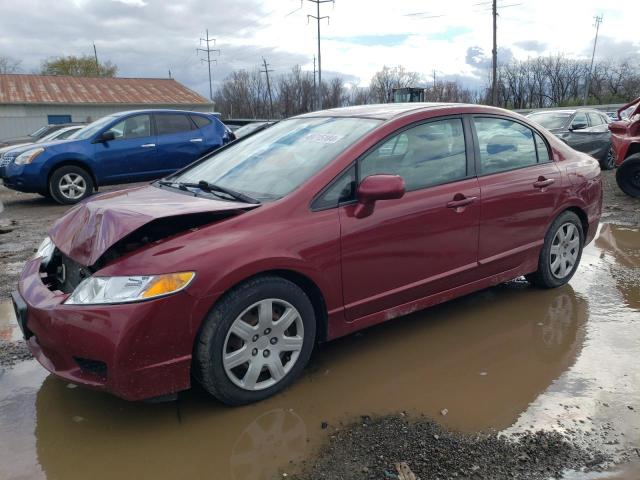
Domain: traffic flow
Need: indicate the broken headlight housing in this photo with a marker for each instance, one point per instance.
(45, 251)
(106, 290)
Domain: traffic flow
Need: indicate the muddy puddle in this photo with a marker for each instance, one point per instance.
(509, 358)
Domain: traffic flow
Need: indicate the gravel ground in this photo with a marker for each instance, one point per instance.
(383, 447)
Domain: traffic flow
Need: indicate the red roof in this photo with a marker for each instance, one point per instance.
(39, 89)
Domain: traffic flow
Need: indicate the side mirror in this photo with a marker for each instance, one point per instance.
(105, 137)
(578, 126)
(377, 187)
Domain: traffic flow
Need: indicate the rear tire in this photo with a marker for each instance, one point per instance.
(70, 184)
(609, 160)
(628, 176)
(561, 252)
(236, 339)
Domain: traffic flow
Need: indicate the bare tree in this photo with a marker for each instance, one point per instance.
(384, 81)
(9, 65)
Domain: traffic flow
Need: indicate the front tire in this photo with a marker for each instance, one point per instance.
(70, 184)
(628, 176)
(561, 252)
(256, 341)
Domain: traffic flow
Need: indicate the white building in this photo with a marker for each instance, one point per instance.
(28, 102)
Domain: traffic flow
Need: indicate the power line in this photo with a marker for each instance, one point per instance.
(598, 21)
(318, 18)
(208, 51)
(266, 71)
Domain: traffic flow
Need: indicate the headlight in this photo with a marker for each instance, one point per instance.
(100, 290)
(28, 156)
(45, 250)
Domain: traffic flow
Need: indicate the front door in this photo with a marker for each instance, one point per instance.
(520, 186)
(420, 244)
(131, 156)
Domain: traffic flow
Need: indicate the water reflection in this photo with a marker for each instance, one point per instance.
(484, 358)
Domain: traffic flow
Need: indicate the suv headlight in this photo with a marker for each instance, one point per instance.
(101, 290)
(28, 156)
(45, 250)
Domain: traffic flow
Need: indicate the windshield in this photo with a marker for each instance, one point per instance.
(91, 129)
(274, 162)
(551, 119)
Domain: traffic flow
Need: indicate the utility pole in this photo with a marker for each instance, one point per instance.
(95, 54)
(266, 71)
(169, 73)
(494, 52)
(318, 18)
(208, 51)
(598, 21)
(314, 75)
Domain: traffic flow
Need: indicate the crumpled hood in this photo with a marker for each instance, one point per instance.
(86, 231)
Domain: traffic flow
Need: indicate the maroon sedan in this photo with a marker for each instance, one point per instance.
(231, 270)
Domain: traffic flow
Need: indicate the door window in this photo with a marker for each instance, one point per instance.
(341, 190)
(428, 154)
(138, 126)
(200, 121)
(579, 121)
(172, 123)
(504, 145)
(595, 119)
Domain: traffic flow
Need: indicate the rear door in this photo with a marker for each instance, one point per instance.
(520, 186)
(424, 242)
(130, 156)
(180, 142)
(600, 135)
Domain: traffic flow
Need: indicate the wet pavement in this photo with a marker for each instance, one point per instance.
(510, 358)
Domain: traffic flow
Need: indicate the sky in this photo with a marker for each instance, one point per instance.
(147, 38)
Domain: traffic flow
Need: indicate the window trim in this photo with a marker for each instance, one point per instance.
(515, 120)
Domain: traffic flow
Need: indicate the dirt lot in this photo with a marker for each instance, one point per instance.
(510, 382)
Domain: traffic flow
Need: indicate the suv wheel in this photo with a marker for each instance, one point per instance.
(561, 252)
(628, 175)
(70, 184)
(256, 341)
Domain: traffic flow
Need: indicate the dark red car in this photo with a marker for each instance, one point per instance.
(625, 143)
(231, 270)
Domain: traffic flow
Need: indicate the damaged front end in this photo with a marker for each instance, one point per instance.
(95, 233)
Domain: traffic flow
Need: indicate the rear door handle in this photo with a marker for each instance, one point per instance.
(543, 182)
(463, 202)
(195, 140)
(148, 145)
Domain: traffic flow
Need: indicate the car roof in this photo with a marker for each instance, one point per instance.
(567, 111)
(162, 110)
(383, 111)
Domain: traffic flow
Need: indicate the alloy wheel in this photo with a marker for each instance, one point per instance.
(72, 186)
(263, 344)
(565, 249)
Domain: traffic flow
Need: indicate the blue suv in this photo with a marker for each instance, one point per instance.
(121, 148)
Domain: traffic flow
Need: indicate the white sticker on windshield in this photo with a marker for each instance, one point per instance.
(323, 137)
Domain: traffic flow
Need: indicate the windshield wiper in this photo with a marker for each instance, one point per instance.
(211, 188)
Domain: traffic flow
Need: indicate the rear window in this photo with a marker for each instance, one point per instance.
(200, 121)
(172, 123)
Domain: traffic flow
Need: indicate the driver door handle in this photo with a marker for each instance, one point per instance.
(148, 145)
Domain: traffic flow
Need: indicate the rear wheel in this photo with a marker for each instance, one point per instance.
(561, 252)
(609, 160)
(256, 341)
(628, 175)
(70, 184)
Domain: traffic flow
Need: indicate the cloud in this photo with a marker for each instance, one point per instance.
(532, 45)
